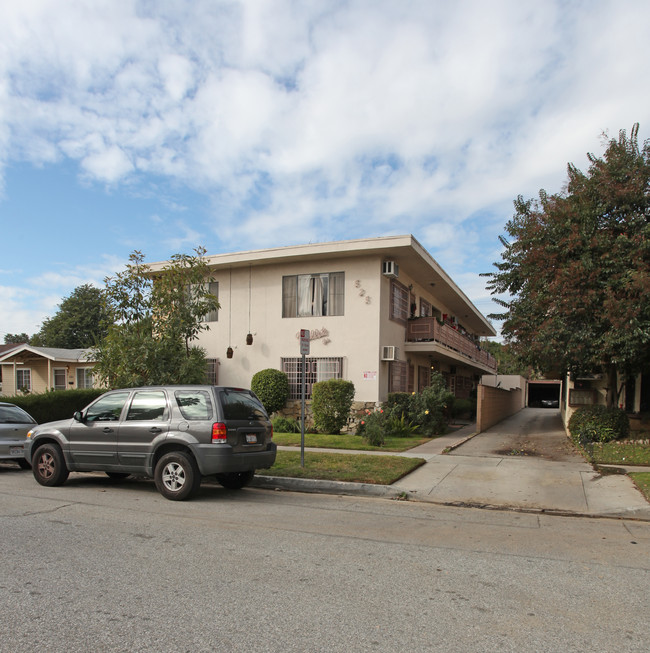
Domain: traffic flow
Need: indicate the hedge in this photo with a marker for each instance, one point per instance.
(55, 405)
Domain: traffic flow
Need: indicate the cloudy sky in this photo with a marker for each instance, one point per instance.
(160, 125)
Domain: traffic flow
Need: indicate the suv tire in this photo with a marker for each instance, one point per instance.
(48, 466)
(236, 480)
(177, 476)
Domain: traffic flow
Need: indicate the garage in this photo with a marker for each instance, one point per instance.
(544, 394)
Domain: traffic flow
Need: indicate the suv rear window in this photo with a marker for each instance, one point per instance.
(239, 404)
(194, 404)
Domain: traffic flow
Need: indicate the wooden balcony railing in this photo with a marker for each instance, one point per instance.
(427, 329)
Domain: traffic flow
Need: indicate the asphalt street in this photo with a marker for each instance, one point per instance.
(99, 565)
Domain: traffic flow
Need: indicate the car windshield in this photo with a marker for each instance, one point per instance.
(239, 404)
(14, 415)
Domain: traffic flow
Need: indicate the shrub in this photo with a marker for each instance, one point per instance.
(398, 404)
(372, 428)
(331, 404)
(464, 408)
(400, 427)
(431, 408)
(598, 424)
(272, 388)
(54, 405)
(286, 425)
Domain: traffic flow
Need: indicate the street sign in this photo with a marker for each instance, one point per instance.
(304, 342)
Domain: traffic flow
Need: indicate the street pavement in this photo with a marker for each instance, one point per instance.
(524, 463)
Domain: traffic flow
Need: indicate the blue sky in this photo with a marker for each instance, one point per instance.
(237, 125)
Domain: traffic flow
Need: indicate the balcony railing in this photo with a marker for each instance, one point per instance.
(428, 329)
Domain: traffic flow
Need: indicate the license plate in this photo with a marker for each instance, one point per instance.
(251, 438)
(16, 451)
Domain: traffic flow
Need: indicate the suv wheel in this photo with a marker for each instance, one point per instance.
(177, 476)
(48, 466)
(236, 480)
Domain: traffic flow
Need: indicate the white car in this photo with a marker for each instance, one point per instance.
(14, 425)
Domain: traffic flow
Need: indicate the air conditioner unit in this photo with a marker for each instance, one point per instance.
(388, 353)
(390, 269)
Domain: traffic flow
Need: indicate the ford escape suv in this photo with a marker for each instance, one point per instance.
(173, 434)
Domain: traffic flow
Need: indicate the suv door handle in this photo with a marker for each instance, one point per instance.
(107, 429)
(155, 429)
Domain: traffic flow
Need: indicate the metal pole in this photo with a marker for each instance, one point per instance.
(302, 413)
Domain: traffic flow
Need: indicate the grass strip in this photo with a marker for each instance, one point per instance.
(619, 453)
(351, 442)
(642, 481)
(354, 468)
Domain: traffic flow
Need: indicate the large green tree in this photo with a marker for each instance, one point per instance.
(16, 338)
(576, 269)
(155, 317)
(80, 322)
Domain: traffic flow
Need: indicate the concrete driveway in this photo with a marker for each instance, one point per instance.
(526, 462)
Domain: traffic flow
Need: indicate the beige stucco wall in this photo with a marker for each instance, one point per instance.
(494, 405)
(353, 336)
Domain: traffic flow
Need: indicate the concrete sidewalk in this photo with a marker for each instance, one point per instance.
(482, 478)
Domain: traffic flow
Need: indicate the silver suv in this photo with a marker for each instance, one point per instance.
(173, 434)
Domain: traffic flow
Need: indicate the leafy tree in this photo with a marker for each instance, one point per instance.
(577, 269)
(155, 317)
(16, 338)
(80, 322)
(507, 361)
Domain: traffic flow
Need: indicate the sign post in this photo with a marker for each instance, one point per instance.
(304, 351)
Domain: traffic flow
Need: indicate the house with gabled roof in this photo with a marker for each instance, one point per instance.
(37, 369)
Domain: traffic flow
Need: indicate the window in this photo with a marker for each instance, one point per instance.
(60, 379)
(241, 405)
(399, 302)
(148, 405)
(212, 371)
(425, 308)
(84, 377)
(317, 369)
(212, 316)
(398, 380)
(313, 294)
(194, 404)
(107, 408)
(24, 380)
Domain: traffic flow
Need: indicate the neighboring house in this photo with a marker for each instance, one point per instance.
(381, 313)
(591, 389)
(37, 369)
(3, 350)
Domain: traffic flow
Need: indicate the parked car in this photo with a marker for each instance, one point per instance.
(550, 403)
(14, 426)
(173, 434)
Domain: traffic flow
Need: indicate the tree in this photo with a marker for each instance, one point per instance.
(577, 269)
(16, 338)
(80, 322)
(155, 317)
(507, 361)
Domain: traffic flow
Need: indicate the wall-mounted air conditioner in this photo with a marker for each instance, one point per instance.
(388, 353)
(390, 269)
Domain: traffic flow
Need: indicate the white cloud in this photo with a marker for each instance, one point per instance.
(319, 120)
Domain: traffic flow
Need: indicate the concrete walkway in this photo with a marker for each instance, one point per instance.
(524, 463)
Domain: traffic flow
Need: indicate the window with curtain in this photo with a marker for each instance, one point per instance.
(213, 289)
(305, 295)
(24, 379)
(399, 302)
(84, 377)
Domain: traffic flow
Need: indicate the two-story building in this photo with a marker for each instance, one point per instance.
(380, 311)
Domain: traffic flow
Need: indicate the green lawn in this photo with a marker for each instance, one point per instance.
(355, 442)
(356, 468)
(619, 453)
(642, 481)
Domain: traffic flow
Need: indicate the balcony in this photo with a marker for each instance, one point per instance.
(428, 329)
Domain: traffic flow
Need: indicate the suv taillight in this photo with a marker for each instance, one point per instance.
(218, 433)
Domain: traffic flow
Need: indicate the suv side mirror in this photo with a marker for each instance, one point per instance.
(79, 416)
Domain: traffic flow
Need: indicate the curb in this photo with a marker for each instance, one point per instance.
(326, 487)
